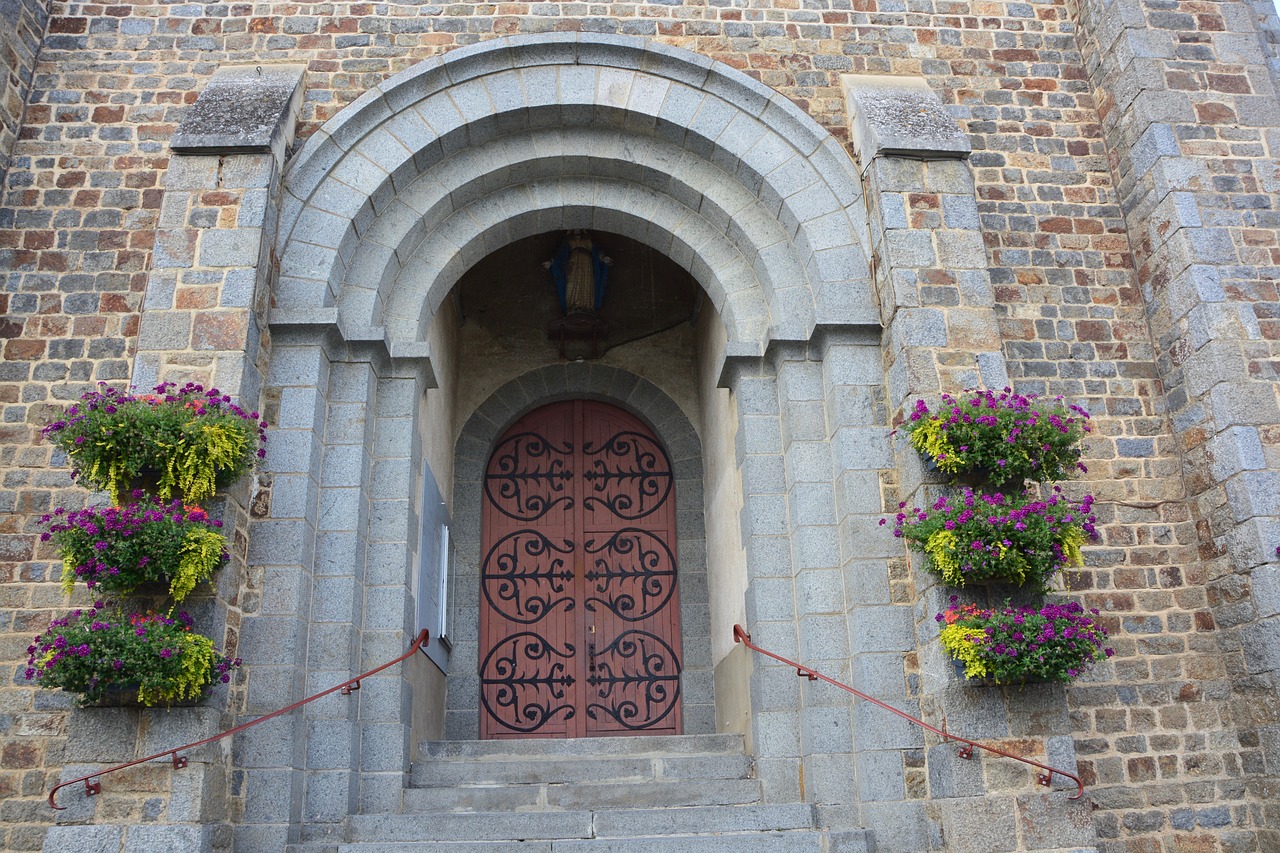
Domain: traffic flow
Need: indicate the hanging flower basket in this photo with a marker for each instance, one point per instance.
(190, 441)
(980, 538)
(1003, 438)
(115, 549)
(1017, 645)
(95, 654)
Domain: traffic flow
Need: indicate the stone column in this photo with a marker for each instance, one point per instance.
(770, 597)
(874, 593)
(202, 320)
(941, 335)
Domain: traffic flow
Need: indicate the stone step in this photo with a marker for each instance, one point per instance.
(550, 748)
(779, 841)
(578, 796)
(530, 770)
(565, 825)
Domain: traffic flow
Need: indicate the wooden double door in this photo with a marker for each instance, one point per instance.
(579, 613)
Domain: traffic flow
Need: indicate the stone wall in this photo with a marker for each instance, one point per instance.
(1123, 166)
(22, 27)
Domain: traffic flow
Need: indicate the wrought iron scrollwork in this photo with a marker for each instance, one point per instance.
(523, 578)
(634, 574)
(528, 476)
(629, 474)
(637, 677)
(522, 685)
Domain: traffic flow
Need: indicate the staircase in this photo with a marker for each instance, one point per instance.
(685, 794)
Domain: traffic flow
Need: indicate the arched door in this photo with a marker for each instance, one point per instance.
(579, 616)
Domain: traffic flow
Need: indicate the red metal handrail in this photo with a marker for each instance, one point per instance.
(92, 788)
(1046, 779)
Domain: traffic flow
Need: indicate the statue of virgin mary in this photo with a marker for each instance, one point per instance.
(581, 273)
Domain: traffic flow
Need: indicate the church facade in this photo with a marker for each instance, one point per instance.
(523, 289)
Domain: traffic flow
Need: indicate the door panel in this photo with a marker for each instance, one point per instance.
(579, 612)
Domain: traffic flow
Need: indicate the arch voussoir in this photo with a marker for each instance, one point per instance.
(440, 164)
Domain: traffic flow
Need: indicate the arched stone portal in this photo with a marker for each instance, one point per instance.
(391, 201)
(383, 211)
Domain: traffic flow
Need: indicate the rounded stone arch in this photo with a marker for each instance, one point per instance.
(391, 200)
(476, 440)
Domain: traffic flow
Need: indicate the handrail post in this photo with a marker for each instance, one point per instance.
(740, 635)
(93, 788)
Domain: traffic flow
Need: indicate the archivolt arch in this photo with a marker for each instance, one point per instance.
(416, 180)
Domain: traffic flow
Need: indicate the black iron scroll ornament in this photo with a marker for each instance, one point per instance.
(634, 574)
(524, 576)
(637, 668)
(630, 475)
(518, 690)
(528, 476)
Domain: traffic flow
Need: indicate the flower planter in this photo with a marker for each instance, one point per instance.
(1000, 439)
(975, 538)
(109, 658)
(175, 441)
(121, 549)
(1021, 645)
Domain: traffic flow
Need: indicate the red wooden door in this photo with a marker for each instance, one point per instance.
(579, 616)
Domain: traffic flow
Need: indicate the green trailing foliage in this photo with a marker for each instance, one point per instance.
(193, 441)
(115, 549)
(1007, 438)
(95, 652)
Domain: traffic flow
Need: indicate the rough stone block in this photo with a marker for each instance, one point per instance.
(1261, 642)
(876, 728)
(1052, 822)
(243, 108)
(880, 776)
(952, 776)
(879, 675)
(165, 330)
(900, 116)
(910, 249)
(902, 827)
(327, 797)
(1254, 493)
(230, 247)
(973, 825)
(168, 838)
(881, 629)
(192, 173)
(83, 839)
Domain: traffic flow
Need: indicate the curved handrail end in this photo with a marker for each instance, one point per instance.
(741, 636)
(93, 788)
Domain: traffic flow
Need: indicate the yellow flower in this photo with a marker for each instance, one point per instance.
(931, 439)
(965, 645)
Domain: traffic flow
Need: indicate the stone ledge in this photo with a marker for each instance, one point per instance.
(244, 109)
(900, 116)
